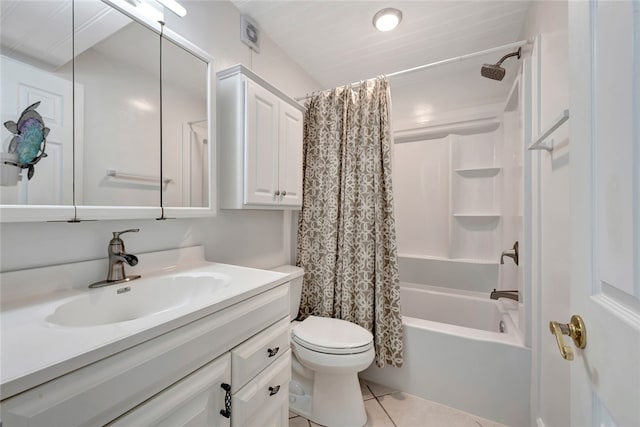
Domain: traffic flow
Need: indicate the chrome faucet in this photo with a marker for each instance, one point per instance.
(512, 294)
(511, 253)
(117, 258)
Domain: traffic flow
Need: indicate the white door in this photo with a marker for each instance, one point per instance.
(290, 153)
(261, 146)
(23, 85)
(605, 210)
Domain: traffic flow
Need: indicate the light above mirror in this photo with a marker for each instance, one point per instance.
(151, 10)
(174, 7)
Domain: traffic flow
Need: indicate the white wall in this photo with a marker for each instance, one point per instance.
(253, 238)
(550, 216)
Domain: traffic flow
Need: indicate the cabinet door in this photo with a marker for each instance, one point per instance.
(194, 401)
(261, 146)
(290, 181)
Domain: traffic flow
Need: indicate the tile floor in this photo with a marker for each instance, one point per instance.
(389, 408)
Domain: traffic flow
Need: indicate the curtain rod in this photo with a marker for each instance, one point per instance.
(443, 62)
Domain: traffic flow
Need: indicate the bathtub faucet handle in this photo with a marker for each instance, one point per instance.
(510, 294)
(511, 253)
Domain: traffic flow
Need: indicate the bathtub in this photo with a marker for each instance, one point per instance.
(455, 354)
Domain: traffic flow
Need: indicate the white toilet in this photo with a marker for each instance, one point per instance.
(327, 356)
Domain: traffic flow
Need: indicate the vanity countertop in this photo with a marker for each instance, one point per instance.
(35, 350)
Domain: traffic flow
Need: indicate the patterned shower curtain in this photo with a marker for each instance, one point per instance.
(346, 230)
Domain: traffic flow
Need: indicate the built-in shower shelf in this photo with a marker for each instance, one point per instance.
(422, 258)
(474, 261)
(476, 215)
(478, 172)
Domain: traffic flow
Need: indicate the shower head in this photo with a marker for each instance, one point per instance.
(495, 71)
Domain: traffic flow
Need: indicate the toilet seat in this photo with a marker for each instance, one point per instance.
(331, 336)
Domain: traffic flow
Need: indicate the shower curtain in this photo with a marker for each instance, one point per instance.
(346, 230)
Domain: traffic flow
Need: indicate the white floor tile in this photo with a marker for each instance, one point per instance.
(379, 389)
(393, 408)
(376, 417)
(298, 422)
(410, 411)
(366, 393)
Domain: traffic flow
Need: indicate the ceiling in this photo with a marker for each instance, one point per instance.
(336, 43)
(39, 32)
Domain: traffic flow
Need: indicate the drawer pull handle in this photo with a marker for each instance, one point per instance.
(272, 351)
(226, 412)
(274, 390)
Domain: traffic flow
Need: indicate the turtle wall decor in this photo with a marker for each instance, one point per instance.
(29, 139)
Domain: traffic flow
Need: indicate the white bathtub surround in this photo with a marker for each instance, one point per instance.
(468, 275)
(456, 356)
(346, 232)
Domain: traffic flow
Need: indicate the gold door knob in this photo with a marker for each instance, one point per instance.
(575, 329)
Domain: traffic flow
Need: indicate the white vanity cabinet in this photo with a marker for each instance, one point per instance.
(183, 377)
(260, 139)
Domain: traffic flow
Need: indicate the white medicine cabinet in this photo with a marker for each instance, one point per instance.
(127, 107)
(260, 137)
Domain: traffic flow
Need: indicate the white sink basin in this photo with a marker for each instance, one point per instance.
(139, 298)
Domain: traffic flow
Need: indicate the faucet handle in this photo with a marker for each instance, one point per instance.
(116, 234)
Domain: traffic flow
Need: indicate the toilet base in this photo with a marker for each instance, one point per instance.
(336, 400)
(299, 399)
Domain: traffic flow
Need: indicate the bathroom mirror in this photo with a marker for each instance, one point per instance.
(36, 53)
(185, 126)
(120, 121)
(132, 93)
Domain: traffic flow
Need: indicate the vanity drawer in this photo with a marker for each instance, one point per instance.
(266, 394)
(194, 400)
(258, 352)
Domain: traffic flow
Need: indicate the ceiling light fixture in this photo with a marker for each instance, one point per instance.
(387, 19)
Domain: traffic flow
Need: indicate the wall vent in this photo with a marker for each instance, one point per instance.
(250, 33)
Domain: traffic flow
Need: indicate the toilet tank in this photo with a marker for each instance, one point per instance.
(295, 286)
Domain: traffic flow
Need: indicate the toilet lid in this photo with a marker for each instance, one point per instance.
(328, 335)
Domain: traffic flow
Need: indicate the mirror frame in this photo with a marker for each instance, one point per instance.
(79, 213)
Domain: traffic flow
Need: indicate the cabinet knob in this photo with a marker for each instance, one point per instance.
(284, 193)
(272, 351)
(277, 193)
(274, 390)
